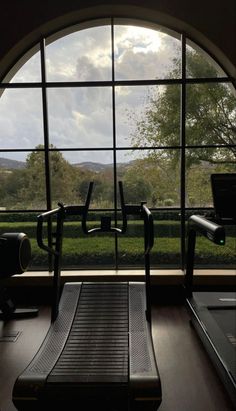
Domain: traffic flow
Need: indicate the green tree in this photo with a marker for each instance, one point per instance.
(62, 176)
(210, 117)
(210, 120)
(136, 187)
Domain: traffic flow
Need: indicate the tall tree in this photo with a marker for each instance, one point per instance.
(210, 117)
(62, 178)
(210, 120)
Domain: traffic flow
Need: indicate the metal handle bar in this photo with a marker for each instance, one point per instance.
(105, 221)
(214, 232)
(148, 228)
(45, 217)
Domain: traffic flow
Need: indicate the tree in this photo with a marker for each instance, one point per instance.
(210, 120)
(210, 117)
(137, 188)
(62, 176)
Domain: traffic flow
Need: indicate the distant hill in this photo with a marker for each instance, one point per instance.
(7, 163)
(97, 167)
(11, 164)
(92, 166)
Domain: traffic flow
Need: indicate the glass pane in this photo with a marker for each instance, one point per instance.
(147, 116)
(21, 122)
(81, 56)
(30, 72)
(209, 255)
(210, 114)
(25, 223)
(201, 163)
(199, 64)
(82, 251)
(80, 117)
(142, 54)
(22, 182)
(151, 176)
(71, 173)
(166, 249)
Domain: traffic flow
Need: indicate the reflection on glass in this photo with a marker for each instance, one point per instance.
(147, 116)
(21, 123)
(80, 117)
(150, 176)
(22, 184)
(71, 173)
(210, 114)
(201, 163)
(199, 64)
(142, 54)
(81, 56)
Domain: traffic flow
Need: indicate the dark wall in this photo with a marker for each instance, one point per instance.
(212, 23)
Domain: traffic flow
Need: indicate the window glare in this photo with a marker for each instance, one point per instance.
(142, 53)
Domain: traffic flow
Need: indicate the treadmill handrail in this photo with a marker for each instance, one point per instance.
(148, 228)
(39, 234)
(55, 248)
(214, 232)
(106, 221)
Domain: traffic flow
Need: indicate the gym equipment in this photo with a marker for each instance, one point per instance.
(15, 255)
(98, 353)
(213, 314)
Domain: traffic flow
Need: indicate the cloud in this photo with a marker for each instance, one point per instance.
(143, 54)
(81, 56)
(21, 123)
(82, 117)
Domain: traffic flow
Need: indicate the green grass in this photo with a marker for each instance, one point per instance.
(80, 250)
(96, 250)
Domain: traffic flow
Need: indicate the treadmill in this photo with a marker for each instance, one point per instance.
(213, 314)
(98, 352)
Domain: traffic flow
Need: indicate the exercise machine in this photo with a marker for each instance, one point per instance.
(15, 255)
(213, 313)
(98, 352)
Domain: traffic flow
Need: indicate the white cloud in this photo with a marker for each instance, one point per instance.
(21, 118)
(82, 117)
(87, 54)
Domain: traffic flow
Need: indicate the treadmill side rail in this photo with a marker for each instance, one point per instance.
(145, 383)
(30, 384)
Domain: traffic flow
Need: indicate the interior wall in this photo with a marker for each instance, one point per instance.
(211, 23)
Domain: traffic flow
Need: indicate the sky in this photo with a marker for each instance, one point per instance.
(82, 117)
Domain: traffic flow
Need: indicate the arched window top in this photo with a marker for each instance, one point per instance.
(84, 53)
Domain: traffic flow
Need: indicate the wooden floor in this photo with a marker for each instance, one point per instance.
(189, 382)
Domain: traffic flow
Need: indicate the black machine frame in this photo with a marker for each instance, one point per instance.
(213, 314)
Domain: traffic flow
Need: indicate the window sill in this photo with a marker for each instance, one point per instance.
(158, 277)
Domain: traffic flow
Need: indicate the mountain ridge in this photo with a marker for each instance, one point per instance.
(7, 163)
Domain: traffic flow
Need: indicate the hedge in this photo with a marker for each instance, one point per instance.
(163, 229)
(100, 251)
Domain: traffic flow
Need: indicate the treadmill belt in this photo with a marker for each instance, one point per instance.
(97, 347)
(226, 319)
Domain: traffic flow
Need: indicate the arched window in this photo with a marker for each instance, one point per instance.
(109, 101)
